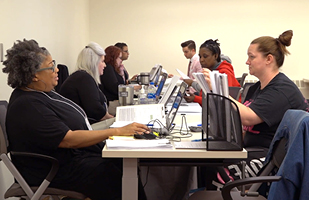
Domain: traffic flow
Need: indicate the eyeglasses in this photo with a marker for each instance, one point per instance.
(127, 51)
(47, 68)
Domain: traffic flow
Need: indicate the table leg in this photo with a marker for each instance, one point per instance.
(130, 179)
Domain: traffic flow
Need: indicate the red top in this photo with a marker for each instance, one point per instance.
(223, 68)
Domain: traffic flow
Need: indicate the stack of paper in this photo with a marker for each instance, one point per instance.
(219, 83)
(139, 144)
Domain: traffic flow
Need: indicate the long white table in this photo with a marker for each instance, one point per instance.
(132, 158)
(172, 157)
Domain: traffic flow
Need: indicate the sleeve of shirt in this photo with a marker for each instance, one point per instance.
(90, 98)
(270, 106)
(48, 130)
(198, 99)
(196, 86)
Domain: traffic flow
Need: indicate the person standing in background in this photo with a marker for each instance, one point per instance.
(125, 55)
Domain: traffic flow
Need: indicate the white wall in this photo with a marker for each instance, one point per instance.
(154, 29)
(61, 26)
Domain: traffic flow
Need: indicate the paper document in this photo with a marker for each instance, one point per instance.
(140, 113)
(183, 75)
(199, 77)
(139, 144)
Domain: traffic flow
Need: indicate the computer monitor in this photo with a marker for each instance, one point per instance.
(160, 86)
(169, 91)
(155, 73)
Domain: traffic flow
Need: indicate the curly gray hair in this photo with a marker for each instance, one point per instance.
(23, 59)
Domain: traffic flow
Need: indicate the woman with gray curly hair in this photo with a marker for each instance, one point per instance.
(82, 85)
(41, 121)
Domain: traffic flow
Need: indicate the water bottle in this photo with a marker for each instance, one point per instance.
(151, 96)
(142, 96)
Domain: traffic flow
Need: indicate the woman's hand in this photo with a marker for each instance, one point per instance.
(134, 77)
(137, 87)
(134, 128)
(170, 75)
(190, 98)
(206, 73)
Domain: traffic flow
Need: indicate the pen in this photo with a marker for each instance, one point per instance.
(198, 140)
(149, 124)
(199, 125)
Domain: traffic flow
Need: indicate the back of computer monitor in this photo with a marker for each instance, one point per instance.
(155, 74)
(169, 91)
(160, 86)
(175, 106)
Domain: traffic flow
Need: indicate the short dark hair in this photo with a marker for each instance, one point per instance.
(23, 59)
(190, 44)
(213, 46)
(121, 45)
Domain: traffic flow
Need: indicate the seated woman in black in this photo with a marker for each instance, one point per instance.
(82, 86)
(113, 73)
(40, 120)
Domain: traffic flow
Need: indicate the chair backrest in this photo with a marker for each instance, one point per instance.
(235, 92)
(245, 91)
(63, 74)
(3, 136)
(241, 80)
(3, 145)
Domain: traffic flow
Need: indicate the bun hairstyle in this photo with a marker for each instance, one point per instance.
(275, 46)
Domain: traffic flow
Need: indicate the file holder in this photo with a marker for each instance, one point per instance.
(222, 123)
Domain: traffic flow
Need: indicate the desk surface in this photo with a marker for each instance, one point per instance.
(172, 153)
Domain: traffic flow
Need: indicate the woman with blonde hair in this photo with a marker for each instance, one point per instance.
(82, 86)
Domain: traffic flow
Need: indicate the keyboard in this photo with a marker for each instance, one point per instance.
(190, 145)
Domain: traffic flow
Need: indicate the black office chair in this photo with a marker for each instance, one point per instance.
(20, 188)
(277, 157)
(235, 92)
(63, 74)
(241, 80)
(245, 91)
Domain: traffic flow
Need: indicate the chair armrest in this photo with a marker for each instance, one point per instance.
(226, 190)
(55, 164)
